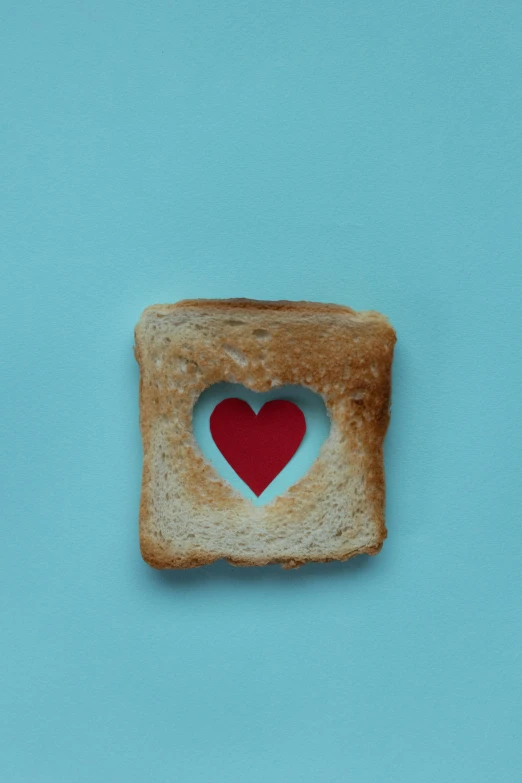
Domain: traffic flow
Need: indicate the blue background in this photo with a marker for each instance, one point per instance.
(366, 153)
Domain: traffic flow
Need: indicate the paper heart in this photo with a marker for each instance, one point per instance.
(257, 446)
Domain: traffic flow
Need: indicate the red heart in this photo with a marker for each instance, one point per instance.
(257, 446)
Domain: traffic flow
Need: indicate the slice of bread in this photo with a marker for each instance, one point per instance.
(190, 516)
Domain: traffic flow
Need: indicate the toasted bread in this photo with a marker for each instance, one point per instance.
(189, 515)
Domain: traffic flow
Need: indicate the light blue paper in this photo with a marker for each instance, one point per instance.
(366, 153)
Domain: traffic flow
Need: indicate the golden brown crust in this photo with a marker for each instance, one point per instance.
(157, 558)
(341, 354)
(241, 303)
(267, 305)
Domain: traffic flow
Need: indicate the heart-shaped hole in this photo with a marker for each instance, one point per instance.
(257, 445)
(238, 412)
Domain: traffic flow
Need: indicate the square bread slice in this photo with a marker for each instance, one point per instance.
(189, 515)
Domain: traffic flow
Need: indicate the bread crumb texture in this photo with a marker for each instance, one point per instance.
(189, 515)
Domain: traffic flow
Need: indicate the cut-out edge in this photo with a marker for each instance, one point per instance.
(318, 428)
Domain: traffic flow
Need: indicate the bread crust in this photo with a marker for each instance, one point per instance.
(343, 355)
